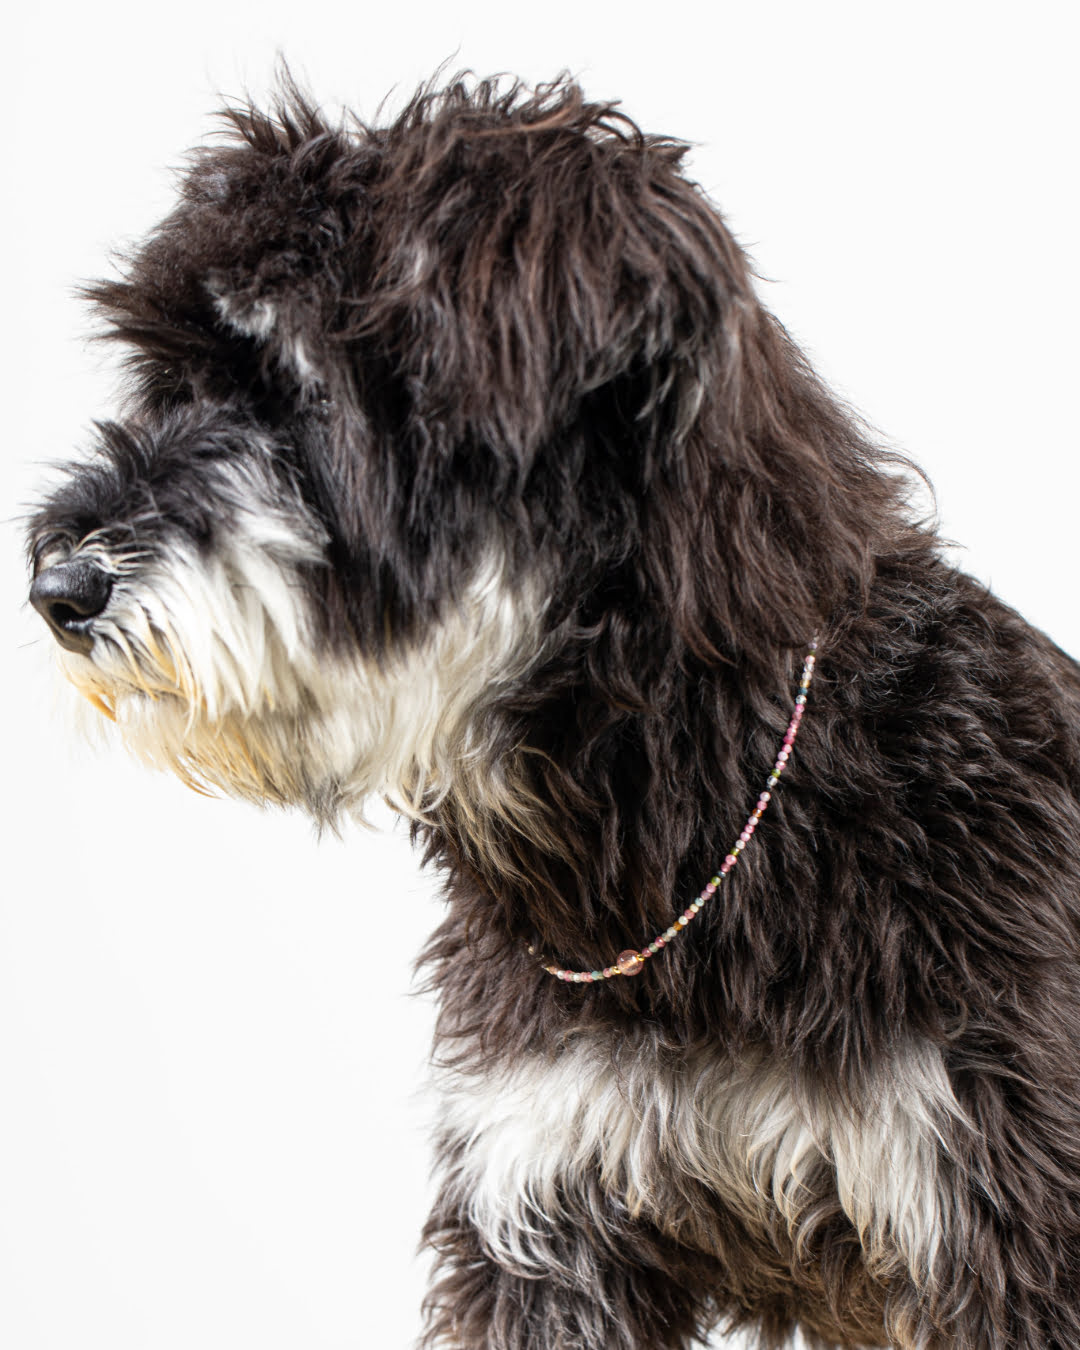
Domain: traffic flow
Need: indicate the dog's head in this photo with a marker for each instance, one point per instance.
(416, 412)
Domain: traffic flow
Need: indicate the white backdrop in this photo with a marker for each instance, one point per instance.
(209, 1134)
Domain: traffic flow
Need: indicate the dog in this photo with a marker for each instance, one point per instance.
(461, 464)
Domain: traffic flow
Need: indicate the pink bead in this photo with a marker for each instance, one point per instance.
(629, 962)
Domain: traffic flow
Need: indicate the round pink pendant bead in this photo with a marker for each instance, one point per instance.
(631, 962)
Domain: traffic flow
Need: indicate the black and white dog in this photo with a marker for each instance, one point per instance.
(463, 466)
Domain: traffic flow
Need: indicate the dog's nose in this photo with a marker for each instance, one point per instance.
(69, 596)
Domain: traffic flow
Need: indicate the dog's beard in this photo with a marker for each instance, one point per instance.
(204, 660)
(210, 666)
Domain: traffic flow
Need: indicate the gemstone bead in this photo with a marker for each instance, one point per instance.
(629, 962)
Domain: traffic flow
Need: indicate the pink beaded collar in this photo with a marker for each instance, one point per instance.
(631, 962)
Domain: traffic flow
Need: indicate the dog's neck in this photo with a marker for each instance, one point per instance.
(584, 861)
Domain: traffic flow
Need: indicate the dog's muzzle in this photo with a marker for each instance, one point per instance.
(69, 596)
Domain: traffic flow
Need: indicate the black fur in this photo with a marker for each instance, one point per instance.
(510, 319)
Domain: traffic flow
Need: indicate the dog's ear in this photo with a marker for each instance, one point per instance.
(532, 250)
(256, 249)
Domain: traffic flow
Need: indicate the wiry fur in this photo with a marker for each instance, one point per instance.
(783, 1156)
(462, 464)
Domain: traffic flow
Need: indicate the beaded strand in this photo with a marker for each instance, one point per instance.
(631, 962)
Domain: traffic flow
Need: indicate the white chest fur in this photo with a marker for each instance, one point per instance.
(621, 1121)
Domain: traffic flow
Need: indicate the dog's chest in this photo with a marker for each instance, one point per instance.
(617, 1129)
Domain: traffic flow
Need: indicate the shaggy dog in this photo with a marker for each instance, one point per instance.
(462, 465)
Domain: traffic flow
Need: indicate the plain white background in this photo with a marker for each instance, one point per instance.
(209, 1057)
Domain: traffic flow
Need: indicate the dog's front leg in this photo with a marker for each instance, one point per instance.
(540, 1235)
(556, 1266)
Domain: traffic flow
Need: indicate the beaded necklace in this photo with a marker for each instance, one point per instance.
(632, 962)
